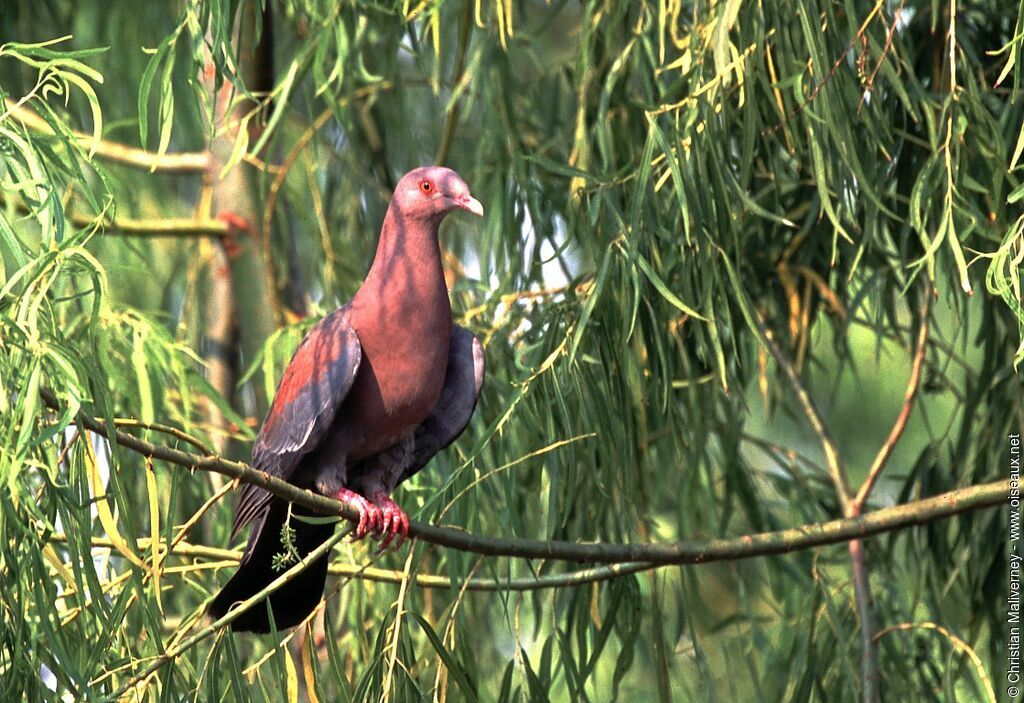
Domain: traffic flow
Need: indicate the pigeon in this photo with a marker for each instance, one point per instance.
(372, 393)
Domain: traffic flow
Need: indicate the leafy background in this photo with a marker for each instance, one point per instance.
(188, 185)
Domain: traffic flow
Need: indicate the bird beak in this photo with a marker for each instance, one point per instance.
(470, 204)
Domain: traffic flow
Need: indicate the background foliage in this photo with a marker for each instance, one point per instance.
(657, 177)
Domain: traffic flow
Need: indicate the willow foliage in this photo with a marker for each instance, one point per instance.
(659, 177)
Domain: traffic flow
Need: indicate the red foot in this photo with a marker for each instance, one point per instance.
(394, 521)
(370, 516)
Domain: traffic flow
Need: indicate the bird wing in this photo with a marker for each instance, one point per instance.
(463, 378)
(312, 389)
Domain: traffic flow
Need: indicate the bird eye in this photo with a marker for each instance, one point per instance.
(426, 186)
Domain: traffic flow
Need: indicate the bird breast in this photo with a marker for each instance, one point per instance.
(400, 377)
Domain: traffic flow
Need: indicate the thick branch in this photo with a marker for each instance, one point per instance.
(130, 156)
(154, 227)
(161, 227)
(694, 552)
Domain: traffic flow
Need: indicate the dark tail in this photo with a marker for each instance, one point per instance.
(294, 600)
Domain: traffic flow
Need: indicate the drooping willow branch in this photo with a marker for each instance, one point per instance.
(898, 517)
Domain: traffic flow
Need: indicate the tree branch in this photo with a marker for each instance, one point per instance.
(152, 227)
(844, 494)
(254, 601)
(882, 458)
(851, 511)
(858, 555)
(161, 227)
(833, 460)
(876, 522)
(866, 613)
(370, 573)
(127, 155)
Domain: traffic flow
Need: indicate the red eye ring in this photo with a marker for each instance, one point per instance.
(426, 186)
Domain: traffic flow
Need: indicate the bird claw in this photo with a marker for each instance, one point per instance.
(370, 515)
(394, 522)
(380, 517)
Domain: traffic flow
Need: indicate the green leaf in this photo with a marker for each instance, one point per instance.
(667, 294)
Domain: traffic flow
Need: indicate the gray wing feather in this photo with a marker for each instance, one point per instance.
(463, 380)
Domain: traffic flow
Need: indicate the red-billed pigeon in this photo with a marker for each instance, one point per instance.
(375, 390)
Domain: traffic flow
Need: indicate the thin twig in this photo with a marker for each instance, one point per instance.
(885, 452)
(228, 557)
(835, 67)
(885, 50)
(172, 652)
(833, 460)
(164, 429)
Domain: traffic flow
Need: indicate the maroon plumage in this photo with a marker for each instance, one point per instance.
(375, 389)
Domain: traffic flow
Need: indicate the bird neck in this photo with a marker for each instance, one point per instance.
(407, 268)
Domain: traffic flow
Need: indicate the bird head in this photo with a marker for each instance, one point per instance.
(431, 192)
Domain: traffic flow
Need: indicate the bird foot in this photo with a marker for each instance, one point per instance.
(371, 517)
(394, 521)
(237, 225)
